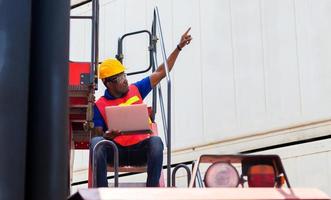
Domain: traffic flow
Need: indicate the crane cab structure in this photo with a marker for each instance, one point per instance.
(246, 170)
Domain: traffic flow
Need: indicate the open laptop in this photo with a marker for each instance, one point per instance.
(128, 119)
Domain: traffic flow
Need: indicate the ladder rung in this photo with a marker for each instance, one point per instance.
(78, 106)
(128, 169)
(135, 185)
(81, 17)
(78, 121)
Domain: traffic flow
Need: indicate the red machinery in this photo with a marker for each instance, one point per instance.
(81, 101)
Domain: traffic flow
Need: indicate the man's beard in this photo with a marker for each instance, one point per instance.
(124, 92)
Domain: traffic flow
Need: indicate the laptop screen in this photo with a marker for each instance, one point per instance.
(126, 119)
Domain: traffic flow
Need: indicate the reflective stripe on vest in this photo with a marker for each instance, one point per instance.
(130, 101)
(132, 97)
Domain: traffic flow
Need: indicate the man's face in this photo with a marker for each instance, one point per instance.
(118, 84)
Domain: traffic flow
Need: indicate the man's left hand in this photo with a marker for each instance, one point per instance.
(185, 39)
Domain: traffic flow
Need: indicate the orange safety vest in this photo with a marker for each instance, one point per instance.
(132, 97)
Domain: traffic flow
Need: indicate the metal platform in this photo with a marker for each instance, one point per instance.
(197, 193)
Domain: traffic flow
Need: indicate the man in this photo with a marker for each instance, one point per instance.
(138, 148)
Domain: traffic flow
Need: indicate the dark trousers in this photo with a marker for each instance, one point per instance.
(148, 151)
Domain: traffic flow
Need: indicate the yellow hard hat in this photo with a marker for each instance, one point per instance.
(110, 67)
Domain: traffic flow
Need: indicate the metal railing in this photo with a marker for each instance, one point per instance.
(95, 164)
(119, 56)
(188, 172)
(165, 119)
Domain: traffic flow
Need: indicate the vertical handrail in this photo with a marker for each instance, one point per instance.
(153, 51)
(168, 122)
(92, 66)
(164, 55)
(95, 43)
(195, 165)
(200, 181)
(158, 88)
(163, 116)
(94, 163)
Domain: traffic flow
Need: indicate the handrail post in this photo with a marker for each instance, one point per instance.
(165, 63)
(94, 163)
(154, 64)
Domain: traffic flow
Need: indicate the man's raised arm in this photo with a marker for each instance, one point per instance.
(160, 73)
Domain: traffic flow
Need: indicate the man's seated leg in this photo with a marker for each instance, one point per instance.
(150, 150)
(154, 161)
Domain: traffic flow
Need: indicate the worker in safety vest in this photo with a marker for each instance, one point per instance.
(133, 149)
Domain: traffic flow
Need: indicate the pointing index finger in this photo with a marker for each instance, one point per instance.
(188, 30)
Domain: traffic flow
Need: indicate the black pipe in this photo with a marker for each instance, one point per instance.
(81, 17)
(80, 4)
(47, 150)
(15, 19)
(119, 55)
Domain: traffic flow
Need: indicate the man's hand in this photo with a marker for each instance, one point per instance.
(109, 135)
(185, 39)
(160, 73)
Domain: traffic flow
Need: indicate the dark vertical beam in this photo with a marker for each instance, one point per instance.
(14, 76)
(47, 150)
